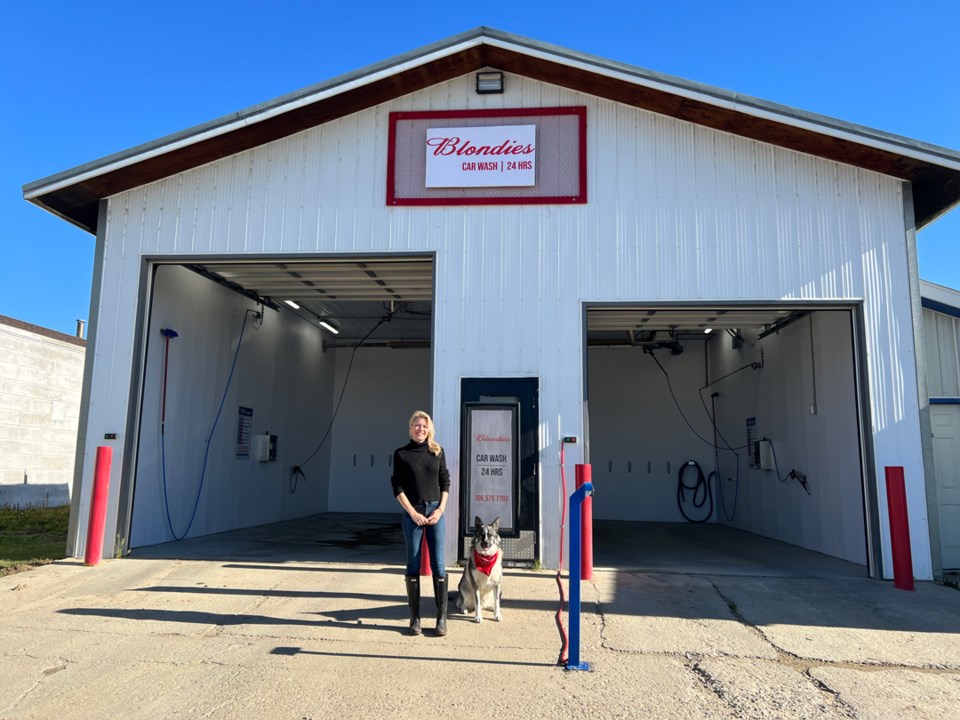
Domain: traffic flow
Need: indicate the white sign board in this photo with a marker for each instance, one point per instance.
(492, 465)
(244, 431)
(501, 156)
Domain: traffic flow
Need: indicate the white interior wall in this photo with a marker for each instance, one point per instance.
(824, 446)
(633, 418)
(385, 387)
(638, 438)
(281, 372)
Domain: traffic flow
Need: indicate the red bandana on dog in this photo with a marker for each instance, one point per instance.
(485, 563)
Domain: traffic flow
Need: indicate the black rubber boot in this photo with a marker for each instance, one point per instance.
(413, 600)
(440, 593)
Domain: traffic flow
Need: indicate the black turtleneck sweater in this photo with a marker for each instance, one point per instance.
(419, 474)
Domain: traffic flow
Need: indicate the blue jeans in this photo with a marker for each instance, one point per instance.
(413, 537)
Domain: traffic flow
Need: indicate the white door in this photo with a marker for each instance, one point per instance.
(945, 421)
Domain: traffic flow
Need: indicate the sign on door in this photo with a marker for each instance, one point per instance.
(492, 433)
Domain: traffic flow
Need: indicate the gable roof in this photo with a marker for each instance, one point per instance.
(934, 171)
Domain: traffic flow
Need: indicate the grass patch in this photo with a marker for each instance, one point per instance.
(32, 536)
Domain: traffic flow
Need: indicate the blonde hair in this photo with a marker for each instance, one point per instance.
(431, 443)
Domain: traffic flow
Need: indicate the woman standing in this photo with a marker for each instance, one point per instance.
(421, 484)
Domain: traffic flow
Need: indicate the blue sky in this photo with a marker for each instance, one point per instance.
(81, 80)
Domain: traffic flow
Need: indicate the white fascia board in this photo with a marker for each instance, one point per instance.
(940, 293)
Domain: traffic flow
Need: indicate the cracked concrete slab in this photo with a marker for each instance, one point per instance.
(852, 620)
(894, 693)
(770, 689)
(233, 637)
(664, 613)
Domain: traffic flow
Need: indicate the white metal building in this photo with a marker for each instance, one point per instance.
(529, 262)
(941, 320)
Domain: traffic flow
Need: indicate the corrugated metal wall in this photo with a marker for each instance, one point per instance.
(220, 361)
(384, 387)
(808, 363)
(942, 340)
(643, 430)
(675, 212)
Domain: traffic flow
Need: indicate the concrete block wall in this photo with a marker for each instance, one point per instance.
(41, 376)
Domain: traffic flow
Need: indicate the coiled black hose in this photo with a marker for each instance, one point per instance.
(700, 489)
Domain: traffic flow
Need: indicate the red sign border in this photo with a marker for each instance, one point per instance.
(393, 201)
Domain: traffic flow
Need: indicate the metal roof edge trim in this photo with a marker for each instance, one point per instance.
(483, 35)
(747, 104)
(255, 113)
(940, 293)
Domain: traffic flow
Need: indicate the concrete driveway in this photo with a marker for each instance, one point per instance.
(260, 636)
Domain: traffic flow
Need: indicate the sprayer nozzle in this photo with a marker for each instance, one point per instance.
(168, 333)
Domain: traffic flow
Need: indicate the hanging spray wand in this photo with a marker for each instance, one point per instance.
(168, 335)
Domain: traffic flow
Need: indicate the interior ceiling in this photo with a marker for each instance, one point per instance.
(643, 325)
(355, 295)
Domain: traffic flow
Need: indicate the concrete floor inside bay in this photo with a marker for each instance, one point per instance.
(682, 548)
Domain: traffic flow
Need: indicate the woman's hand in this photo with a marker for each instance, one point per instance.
(419, 519)
(435, 517)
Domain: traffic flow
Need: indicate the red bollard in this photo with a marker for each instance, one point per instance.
(899, 528)
(98, 506)
(425, 556)
(584, 474)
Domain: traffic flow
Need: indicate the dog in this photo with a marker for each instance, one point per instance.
(480, 586)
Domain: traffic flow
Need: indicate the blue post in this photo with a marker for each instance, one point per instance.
(573, 611)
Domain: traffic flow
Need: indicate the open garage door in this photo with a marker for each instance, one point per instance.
(276, 389)
(734, 416)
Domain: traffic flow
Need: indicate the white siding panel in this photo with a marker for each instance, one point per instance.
(675, 213)
(943, 354)
(762, 218)
(931, 343)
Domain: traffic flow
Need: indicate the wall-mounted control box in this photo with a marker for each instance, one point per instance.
(265, 447)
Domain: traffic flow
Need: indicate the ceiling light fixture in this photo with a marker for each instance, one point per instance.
(328, 326)
(292, 304)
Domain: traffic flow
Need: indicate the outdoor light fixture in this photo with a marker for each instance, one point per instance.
(292, 304)
(489, 82)
(327, 326)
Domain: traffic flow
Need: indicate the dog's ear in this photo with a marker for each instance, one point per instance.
(477, 522)
(496, 525)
